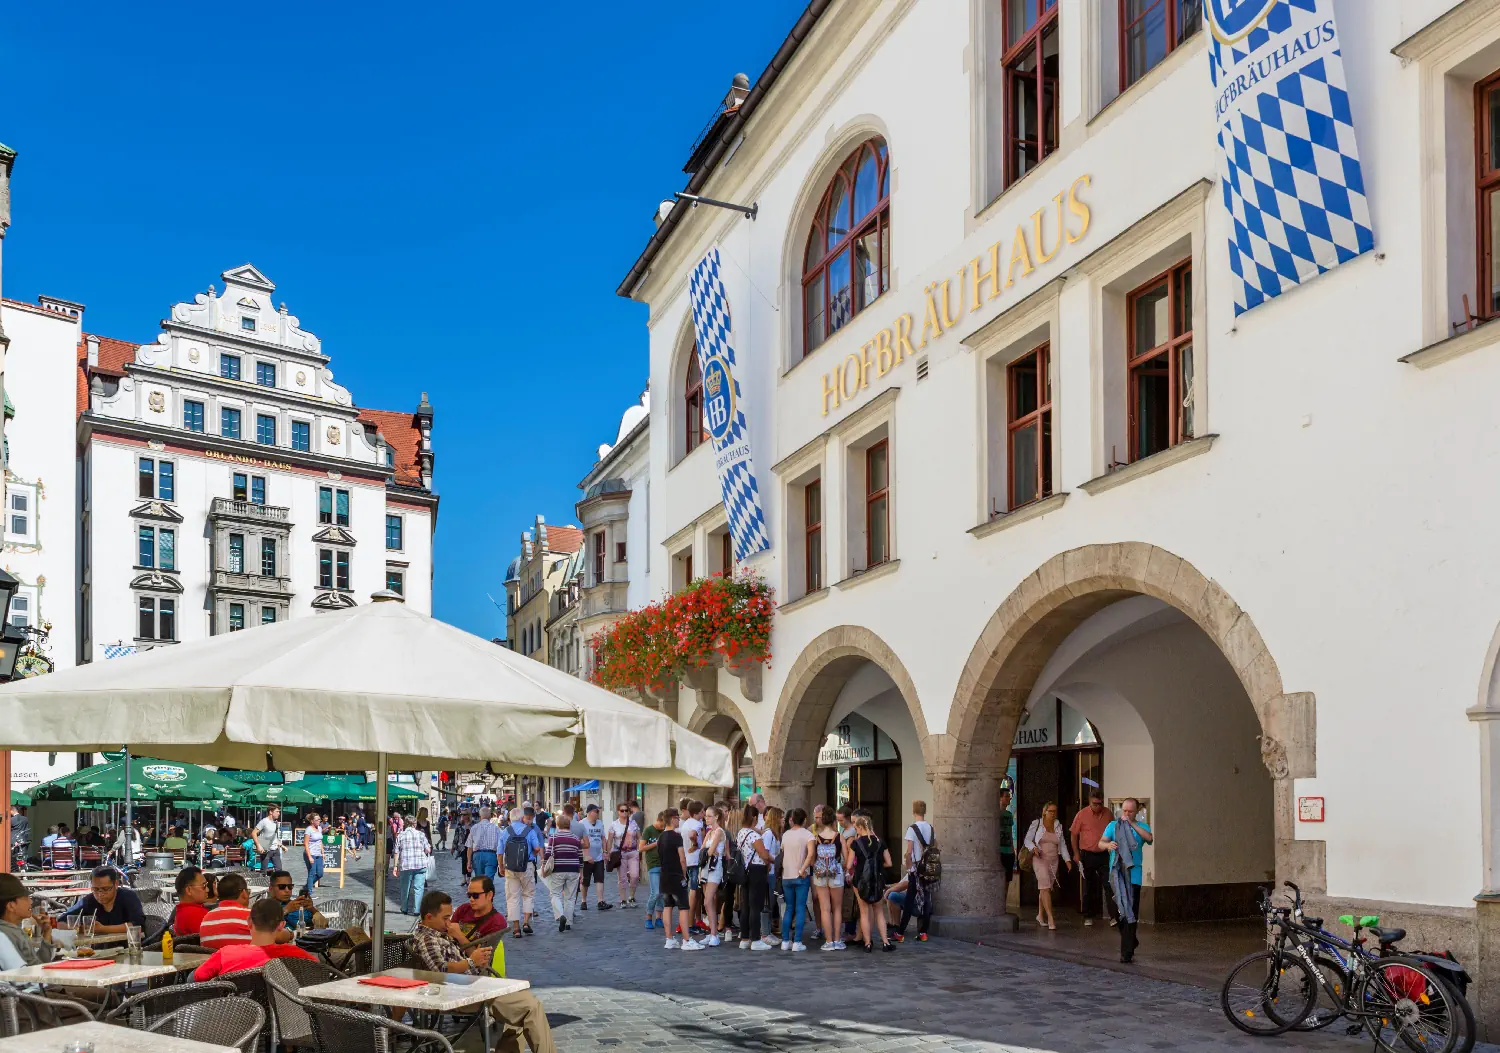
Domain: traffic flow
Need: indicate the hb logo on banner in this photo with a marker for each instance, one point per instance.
(1293, 185)
(724, 410)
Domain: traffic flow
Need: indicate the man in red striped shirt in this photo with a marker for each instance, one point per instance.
(267, 927)
(229, 922)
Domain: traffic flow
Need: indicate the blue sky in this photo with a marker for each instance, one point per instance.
(446, 195)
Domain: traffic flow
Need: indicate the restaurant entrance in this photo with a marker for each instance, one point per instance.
(862, 768)
(1057, 756)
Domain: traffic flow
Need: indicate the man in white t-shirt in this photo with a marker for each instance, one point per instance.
(591, 832)
(691, 830)
(919, 836)
(267, 837)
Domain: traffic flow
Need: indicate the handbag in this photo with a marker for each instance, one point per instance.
(1023, 854)
(614, 861)
(734, 863)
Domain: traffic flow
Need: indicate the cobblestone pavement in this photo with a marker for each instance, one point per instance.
(610, 985)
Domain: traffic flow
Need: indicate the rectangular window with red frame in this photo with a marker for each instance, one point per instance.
(1150, 30)
(1487, 193)
(812, 504)
(726, 554)
(1030, 62)
(1029, 427)
(877, 504)
(598, 557)
(1159, 349)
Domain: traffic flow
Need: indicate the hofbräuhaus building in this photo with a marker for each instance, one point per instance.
(1061, 491)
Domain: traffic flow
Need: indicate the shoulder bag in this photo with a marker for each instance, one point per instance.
(1024, 853)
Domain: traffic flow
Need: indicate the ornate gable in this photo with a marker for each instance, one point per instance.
(156, 581)
(333, 535)
(158, 510)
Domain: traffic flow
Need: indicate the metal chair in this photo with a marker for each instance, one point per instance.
(22, 1012)
(341, 1030)
(233, 1022)
(285, 978)
(145, 1009)
(159, 918)
(397, 955)
(343, 913)
(251, 983)
(149, 894)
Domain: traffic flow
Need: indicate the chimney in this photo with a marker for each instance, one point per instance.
(92, 343)
(738, 89)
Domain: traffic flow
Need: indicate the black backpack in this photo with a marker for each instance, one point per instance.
(517, 849)
(930, 867)
(869, 880)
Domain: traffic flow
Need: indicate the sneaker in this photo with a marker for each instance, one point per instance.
(583, 906)
(692, 945)
(744, 945)
(650, 923)
(799, 947)
(562, 924)
(606, 906)
(1088, 922)
(786, 945)
(898, 937)
(830, 946)
(672, 945)
(712, 941)
(841, 946)
(921, 937)
(762, 945)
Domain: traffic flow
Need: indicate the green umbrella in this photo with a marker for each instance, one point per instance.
(265, 793)
(150, 780)
(17, 797)
(343, 788)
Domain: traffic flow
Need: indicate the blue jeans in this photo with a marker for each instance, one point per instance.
(653, 899)
(314, 870)
(794, 891)
(413, 885)
(485, 864)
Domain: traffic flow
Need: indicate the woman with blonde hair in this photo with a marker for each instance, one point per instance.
(867, 860)
(757, 851)
(828, 875)
(1048, 843)
(711, 870)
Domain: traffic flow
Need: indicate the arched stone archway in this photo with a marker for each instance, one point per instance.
(812, 686)
(967, 760)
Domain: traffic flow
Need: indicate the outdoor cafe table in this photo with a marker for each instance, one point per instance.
(454, 991)
(106, 1038)
(105, 976)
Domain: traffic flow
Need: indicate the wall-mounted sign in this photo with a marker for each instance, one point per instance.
(976, 283)
(1038, 727)
(855, 741)
(1293, 185)
(1309, 809)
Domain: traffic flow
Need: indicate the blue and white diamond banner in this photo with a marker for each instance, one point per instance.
(724, 409)
(1292, 180)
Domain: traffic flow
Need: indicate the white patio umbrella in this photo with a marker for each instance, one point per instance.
(377, 686)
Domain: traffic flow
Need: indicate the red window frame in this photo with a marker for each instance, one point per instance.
(873, 495)
(812, 543)
(1486, 189)
(821, 257)
(1139, 360)
(1029, 40)
(1039, 418)
(692, 400)
(619, 552)
(1174, 32)
(726, 554)
(599, 550)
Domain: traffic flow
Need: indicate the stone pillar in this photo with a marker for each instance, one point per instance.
(971, 899)
(1485, 995)
(788, 795)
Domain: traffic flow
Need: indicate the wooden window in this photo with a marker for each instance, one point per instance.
(599, 557)
(847, 262)
(1160, 362)
(1029, 426)
(877, 504)
(619, 552)
(1031, 67)
(812, 544)
(1487, 187)
(693, 403)
(1149, 29)
(726, 554)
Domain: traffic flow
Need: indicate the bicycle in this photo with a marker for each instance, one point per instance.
(1395, 997)
(1270, 992)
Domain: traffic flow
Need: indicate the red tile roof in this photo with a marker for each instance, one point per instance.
(114, 355)
(564, 538)
(404, 436)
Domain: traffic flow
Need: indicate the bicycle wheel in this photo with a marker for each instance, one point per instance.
(1268, 994)
(1407, 1010)
(1328, 1005)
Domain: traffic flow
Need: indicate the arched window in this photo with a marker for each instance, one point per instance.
(848, 259)
(692, 399)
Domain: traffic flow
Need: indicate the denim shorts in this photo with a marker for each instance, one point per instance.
(828, 880)
(693, 883)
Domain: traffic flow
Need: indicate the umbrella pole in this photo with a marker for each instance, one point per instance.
(129, 855)
(382, 802)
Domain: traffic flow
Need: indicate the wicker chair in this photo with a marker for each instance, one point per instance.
(343, 913)
(159, 917)
(285, 978)
(251, 984)
(149, 894)
(341, 1030)
(234, 1022)
(397, 956)
(22, 1012)
(143, 1010)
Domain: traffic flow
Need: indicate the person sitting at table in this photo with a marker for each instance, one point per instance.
(50, 837)
(297, 911)
(268, 939)
(229, 922)
(15, 907)
(478, 918)
(112, 905)
(192, 901)
(175, 842)
(60, 844)
(434, 949)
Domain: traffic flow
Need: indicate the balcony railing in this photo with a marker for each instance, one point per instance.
(607, 597)
(234, 581)
(228, 506)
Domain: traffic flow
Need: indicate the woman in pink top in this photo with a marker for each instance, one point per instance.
(1048, 844)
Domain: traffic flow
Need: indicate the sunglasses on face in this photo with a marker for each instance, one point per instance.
(478, 895)
(284, 886)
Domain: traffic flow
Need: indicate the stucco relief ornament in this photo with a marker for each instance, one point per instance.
(335, 476)
(192, 354)
(158, 402)
(1273, 755)
(155, 444)
(333, 434)
(301, 379)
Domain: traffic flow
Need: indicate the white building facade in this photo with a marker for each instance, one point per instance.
(228, 481)
(1032, 485)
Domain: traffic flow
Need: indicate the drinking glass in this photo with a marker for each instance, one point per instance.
(78, 1045)
(86, 927)
(133, 942)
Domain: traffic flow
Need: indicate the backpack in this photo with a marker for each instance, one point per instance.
(869, 878)
(517, 849)
(930, 867)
